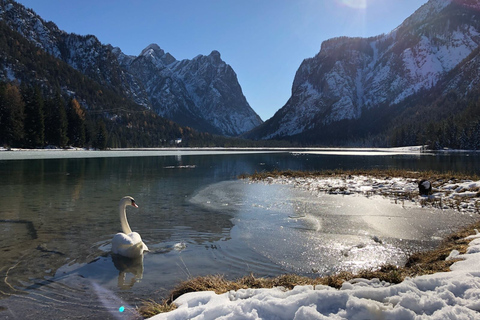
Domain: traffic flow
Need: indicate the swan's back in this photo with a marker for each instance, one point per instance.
(130, 246)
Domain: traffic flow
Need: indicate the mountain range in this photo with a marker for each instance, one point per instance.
(351, 79)
(202, 93)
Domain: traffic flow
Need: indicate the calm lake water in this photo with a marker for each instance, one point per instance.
(59, 212)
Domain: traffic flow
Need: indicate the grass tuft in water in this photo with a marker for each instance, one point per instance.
(150, 308)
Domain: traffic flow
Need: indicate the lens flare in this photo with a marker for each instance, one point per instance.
(356, 4)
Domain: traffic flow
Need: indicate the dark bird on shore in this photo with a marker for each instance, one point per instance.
(424, 187)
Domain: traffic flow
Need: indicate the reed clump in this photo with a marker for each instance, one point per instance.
(430, 175)
(150, 308)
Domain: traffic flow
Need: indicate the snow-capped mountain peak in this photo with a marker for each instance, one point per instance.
(155, 53)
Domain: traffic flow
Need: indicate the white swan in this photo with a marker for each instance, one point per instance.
(128, 244)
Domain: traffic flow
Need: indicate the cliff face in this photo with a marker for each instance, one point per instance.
(202, 93)
(351, 75)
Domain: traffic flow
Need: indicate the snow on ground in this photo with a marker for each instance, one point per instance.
(445, 295)
(462, 195)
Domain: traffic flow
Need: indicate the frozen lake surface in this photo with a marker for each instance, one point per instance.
(59, 215)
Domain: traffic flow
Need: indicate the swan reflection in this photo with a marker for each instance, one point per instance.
(125, 266)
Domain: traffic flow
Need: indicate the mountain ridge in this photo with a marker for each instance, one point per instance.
(110, 67)
(352, 75)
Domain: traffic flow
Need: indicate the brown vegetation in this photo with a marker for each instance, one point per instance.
(433, 176)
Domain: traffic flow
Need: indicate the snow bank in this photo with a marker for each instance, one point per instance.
(446, 295)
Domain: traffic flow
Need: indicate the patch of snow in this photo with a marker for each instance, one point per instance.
(461, 195)
(430, 8)
(10, 74)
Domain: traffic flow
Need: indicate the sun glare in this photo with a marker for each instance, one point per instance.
(357, 4)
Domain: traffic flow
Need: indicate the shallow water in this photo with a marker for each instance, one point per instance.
(58, 216)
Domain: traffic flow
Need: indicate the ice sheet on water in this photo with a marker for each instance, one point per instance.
(306, 233)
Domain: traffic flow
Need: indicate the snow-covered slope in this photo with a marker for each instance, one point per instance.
(202, 93)
(350, 75)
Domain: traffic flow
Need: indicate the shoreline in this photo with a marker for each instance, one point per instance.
(448, 293)
(56, 153)
(459, 193)
(449, 190)
(53, 148)
(406, 149)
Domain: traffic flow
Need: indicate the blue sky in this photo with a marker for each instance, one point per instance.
(264, 41)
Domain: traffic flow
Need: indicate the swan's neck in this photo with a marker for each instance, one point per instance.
(123, 219)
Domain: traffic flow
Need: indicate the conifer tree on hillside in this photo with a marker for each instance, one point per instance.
(76, 124)
(12, 115)
(100, 141)
(56, 123)
(34, 118)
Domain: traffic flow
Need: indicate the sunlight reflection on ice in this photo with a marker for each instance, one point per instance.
(322, 234)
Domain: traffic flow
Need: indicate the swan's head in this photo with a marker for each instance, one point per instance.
(128, 201)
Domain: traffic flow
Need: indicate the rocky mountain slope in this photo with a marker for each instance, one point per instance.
(435, 48)
(202, 93)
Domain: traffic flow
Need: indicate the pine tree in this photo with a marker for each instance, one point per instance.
(34, 118)
(56, 123)
(3, 115)
(11, 116)
(76, 124)
(464, 139)
(100, 141)
(475, 137)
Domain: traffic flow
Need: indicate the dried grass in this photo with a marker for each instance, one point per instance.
(433, 176)
(150, 308)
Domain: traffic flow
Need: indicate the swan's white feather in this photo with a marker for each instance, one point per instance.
(128, 245)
